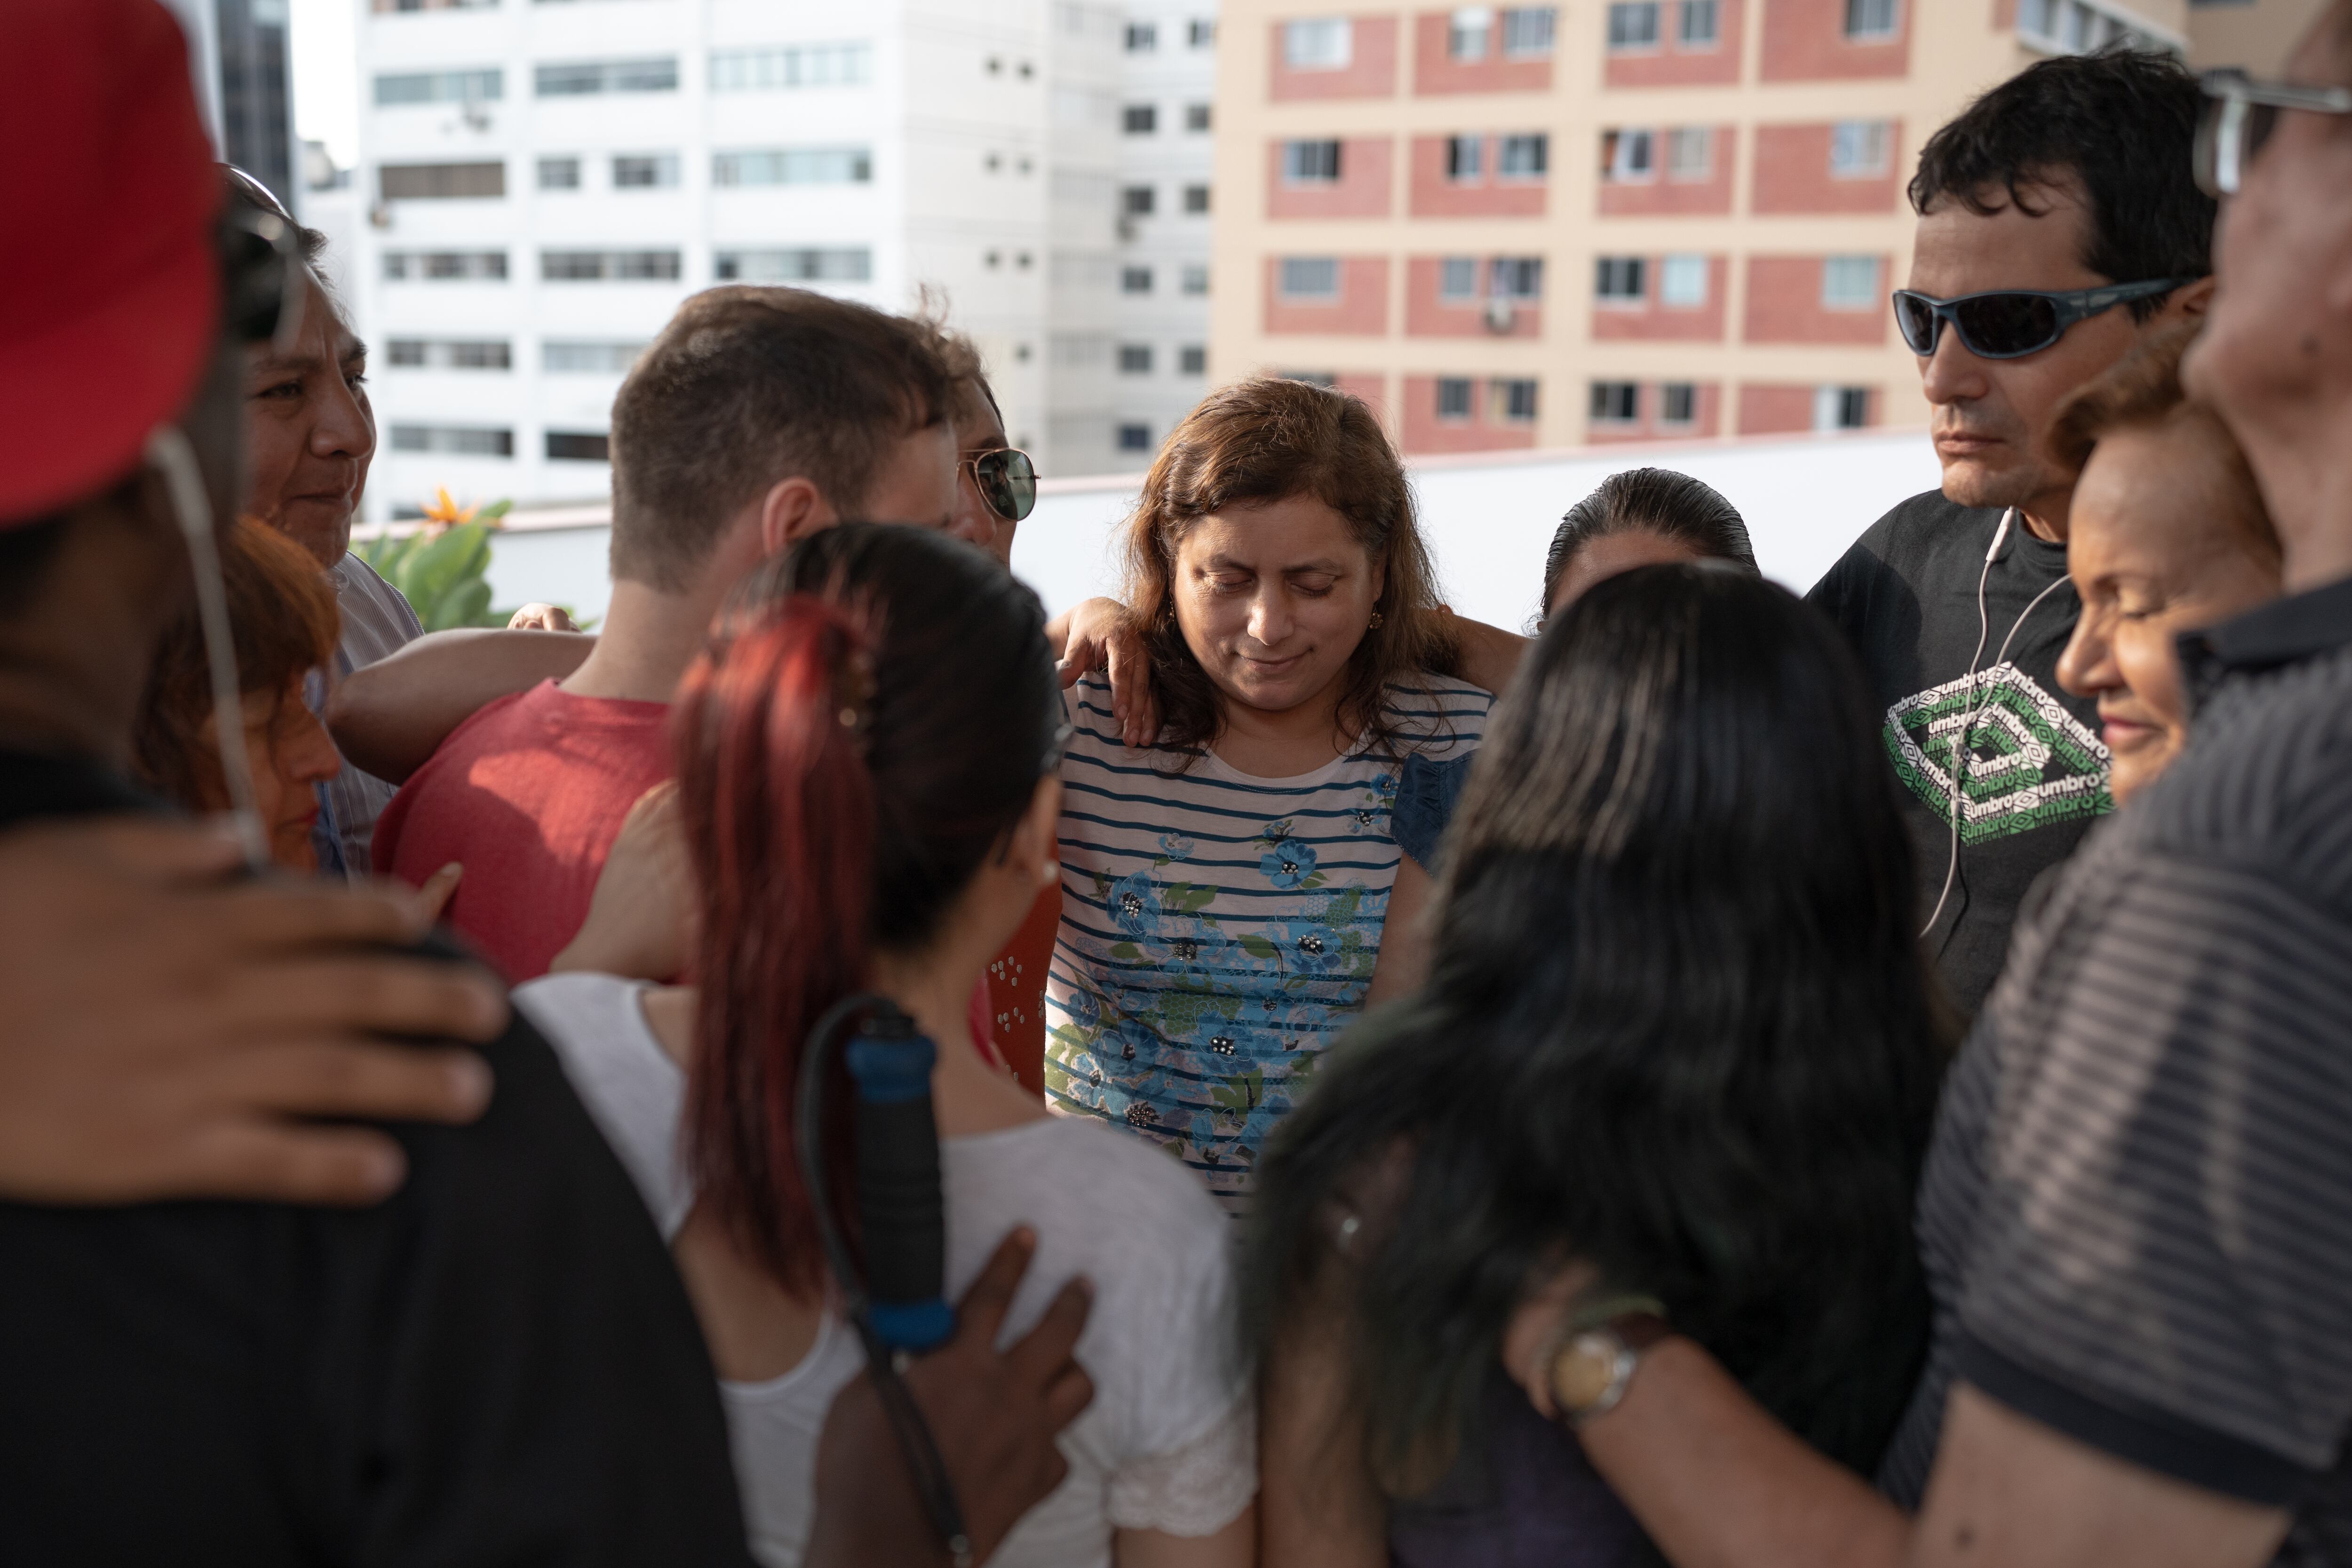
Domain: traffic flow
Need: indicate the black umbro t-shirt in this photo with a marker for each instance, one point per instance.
(2033, 773)
(498, 1365)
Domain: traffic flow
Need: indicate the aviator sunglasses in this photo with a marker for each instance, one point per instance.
(1007, 482)
(2240, 114)
(2009, 323)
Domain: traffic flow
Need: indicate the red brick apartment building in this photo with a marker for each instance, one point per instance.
(1596, 220)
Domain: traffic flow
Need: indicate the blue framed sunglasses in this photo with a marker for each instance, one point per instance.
(2009, 323)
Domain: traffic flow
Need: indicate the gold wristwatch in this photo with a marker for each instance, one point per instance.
(1593, 1361)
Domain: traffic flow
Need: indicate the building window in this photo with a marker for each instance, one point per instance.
(1870, 18)
(1457, 278)
(1134, 437)
(1318, 43)
(1196, 117)
(2075, 27)
(1524, 157)
(579, 447)
(1203, 34)
(1466, 32)
(1135, 279)
(1690, 152)
(644, 171)
(445, 266)
(1616, 401)
(1527, 32)
(1196, 198)
(558, 174)
(802, 264)
(1841, 407)
(608, 266)
(1310, 162)
(454, 440)
(1140, 119)
(1310, 377)
(580, 358)
(1515, 399)
(1135, 359)
(1702, 25)
(450, 354)
(1138, 201)
(1620, 279)
(1192, 359)
(1633, 25)
(607, 76)
(1462, 156)
(1196, 278)
(1454, 397)
(784, 68)
(441, 182)
(1850, 283)
(440, 87)
(1678, 403)
(1858, 149)
(1628, 156)
(1142, 37)
(1682, 282)
(1516, 278)
(794, 166)
(1308, 277)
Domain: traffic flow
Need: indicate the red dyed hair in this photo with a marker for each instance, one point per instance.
(782, 810)
(869, 720)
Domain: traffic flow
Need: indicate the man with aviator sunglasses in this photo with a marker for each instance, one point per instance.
(2058, 226)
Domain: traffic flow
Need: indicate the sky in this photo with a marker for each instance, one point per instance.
(326, 74)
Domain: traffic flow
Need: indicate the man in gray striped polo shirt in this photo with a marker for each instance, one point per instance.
(2137, 1215)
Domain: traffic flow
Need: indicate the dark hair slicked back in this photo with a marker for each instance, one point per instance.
(1649, 501)
(748, 386)
(2121, 124)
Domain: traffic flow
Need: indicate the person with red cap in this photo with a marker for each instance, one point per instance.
(496, 1362)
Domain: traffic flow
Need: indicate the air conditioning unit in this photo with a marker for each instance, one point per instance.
(1500, 315)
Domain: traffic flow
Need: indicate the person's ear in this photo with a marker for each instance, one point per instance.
(792, 510)
(1036, 840)
(2186, 304)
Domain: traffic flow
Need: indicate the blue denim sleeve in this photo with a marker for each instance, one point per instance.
(1425, 797)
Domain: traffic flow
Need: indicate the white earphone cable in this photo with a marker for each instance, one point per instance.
(169, 451)
(1979, 705)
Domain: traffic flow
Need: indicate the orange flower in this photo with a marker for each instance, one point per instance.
(446, 514)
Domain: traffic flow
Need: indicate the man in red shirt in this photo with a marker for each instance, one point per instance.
(758, 416)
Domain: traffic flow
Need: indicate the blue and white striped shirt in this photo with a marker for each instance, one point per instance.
(1218, 930)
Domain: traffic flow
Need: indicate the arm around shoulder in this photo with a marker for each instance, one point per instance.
(388, 717)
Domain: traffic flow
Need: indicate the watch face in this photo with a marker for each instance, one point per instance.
(1581, 1372)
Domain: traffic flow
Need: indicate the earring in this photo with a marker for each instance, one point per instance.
(1376, 620)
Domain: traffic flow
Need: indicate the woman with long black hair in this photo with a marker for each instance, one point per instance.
(1678, 1029)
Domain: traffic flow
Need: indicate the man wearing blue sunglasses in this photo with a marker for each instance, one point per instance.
(2059, 224)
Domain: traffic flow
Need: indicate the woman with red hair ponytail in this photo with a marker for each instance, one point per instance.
(866, 770)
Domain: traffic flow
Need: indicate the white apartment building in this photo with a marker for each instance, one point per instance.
(1158, 344)
(545, 181)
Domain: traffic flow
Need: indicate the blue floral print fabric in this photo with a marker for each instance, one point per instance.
(1218, 931)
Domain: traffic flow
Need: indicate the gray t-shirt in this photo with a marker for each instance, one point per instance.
(377, 622)
(1170, 1442)
(2136, 1217)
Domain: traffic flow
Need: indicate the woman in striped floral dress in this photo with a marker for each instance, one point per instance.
(1234, 894)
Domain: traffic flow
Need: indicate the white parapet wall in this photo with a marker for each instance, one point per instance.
(1488, 518)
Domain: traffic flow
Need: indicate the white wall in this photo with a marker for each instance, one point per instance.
(1489, 519)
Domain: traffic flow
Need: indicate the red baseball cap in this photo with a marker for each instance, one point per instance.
(110, 280)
